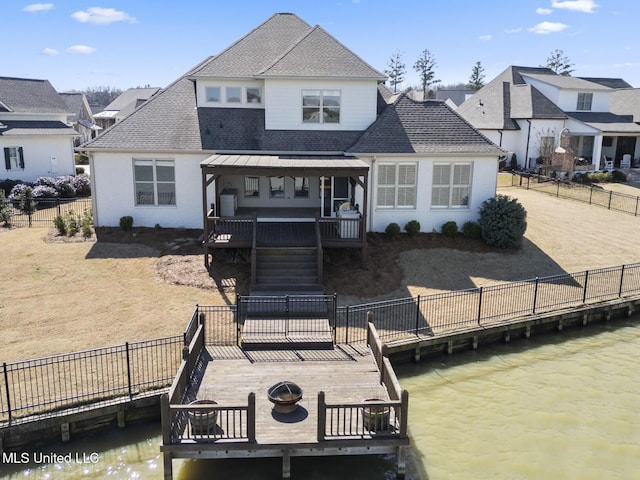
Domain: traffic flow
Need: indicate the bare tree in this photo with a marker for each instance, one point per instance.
(425, 66)
(396, 70)
(102, 96)
(559, 63)
(476, 80)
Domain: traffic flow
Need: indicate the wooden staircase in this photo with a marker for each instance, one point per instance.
(286, 270)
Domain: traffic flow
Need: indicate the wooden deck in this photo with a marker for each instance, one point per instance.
(351, 404)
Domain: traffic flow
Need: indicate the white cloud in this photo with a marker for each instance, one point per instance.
(513, 30)
(38, 7)
(544, 11)
(485, 38)
(83, 49)
(50, 51)
(586, 6)
(544, 28)
(99, 15)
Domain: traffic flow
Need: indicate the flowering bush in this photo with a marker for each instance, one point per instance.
(17, 192)
(41, 192)
(45, 181)
(65, 186)
(82, 185)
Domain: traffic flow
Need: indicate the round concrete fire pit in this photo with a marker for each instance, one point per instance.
(284, 396)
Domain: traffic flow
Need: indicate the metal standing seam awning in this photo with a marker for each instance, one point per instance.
(275, 165)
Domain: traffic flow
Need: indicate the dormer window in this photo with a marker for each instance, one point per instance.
(584, 101)
(321, 106)
(213, 94)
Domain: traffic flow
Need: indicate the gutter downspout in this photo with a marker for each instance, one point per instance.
(92, 179)
(370, 194)
(526, 154)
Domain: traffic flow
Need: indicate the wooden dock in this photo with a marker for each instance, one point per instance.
(352, 404)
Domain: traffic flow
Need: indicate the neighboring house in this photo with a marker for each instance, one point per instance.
(80, 117)
(454, 97)
(123, 105)
(288, 124)
(34, 136)
(525, 110)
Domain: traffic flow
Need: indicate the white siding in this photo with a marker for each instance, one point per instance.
(38, 151)
(284, 104)
(485, 171)
(113, 191)
(568, 100)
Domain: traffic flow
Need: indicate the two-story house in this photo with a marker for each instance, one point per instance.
(525, 109)
(287, 126)
(34, 136)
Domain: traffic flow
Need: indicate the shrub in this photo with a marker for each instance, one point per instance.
(503, 221)
(618, 176)
(450, 229)
(412, 228)
(60, 224)
(392, 230)
(514, 162)
(7, 184)
(471, 230)
(17, 192)
(45, 181)
(126, 223)
(87, 223)
(82, 184)
(65, 186)
(5, 209)
(44, 191)
(79, 170)
(23, 198)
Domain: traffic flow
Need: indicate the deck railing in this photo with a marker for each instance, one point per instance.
(340, 231)
(372, 417)
(231, 230)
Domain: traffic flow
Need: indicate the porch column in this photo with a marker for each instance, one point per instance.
(597, 151)
(365, 209)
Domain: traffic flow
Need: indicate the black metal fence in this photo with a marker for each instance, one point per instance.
(443, 312)
(47, 209)
(44, 385)
(591, 194)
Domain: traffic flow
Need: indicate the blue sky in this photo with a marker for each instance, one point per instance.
(123, 44)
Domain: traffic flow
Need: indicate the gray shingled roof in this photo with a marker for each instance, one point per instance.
(258, 49)
(132, 96)
(607, 122)
(608, 82)
(25, 95)
(430, 127)
(27, 127)
(318, 54)
(567, 82)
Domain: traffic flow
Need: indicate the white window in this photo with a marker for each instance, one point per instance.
(234, 94)
(584, 101)
(276, 187)
(155, 182)
(213, 94)
(451, 185)
(396, 186)
(251, 186)
(253, 95)
(13, 158)
(301, 187)
(321, 106)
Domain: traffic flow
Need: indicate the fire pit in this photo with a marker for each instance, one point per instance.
(284, 396)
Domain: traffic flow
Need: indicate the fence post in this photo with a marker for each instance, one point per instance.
(621, 280)
(610, 196)
(535, 296)
(236, 314)
(128, 369)
(58, 205)
(637, 201)
(480, 306)
(584, 293)
(590, 194)
(346, 325)
(417, 315)
(528, 181)
(558, 188)
(6, 386)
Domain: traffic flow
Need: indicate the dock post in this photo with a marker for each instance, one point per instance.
(167, 457)
(401, 468)
(286, 464)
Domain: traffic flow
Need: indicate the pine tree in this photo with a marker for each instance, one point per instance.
(559, 63)
(476, 80)
(425, 66)
(396, 70)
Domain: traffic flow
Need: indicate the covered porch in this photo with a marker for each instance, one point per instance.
(284, 201)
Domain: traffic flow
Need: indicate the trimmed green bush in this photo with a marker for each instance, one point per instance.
(450, 229)
(618, 176)
(412, 228)
(60, 224)
(5, 209)
(392, 230)
(126, 223)
(471, 230)
(514, 162)
(503, 221)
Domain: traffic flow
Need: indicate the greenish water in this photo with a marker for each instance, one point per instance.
(551, 407)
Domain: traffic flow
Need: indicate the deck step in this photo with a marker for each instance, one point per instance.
(292, 333)
(289, 269)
